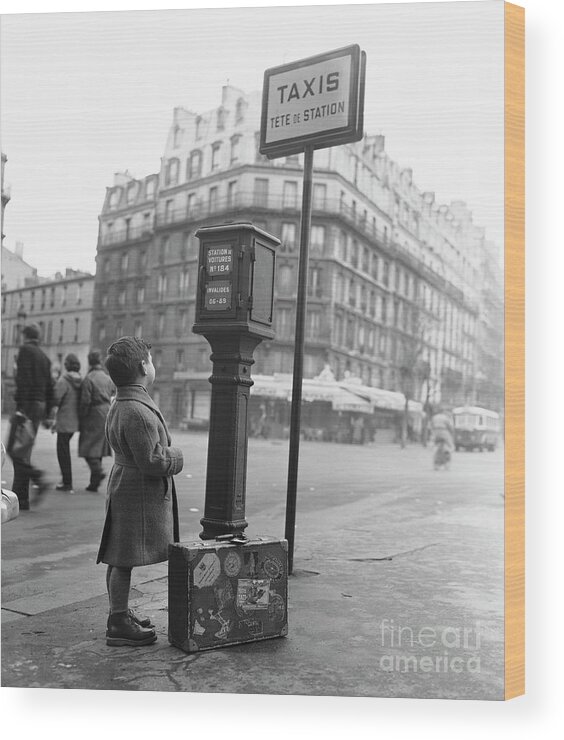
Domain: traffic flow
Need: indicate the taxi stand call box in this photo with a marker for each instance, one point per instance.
(236, 279)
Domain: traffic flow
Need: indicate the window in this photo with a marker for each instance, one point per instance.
(61, 330)
(354, 253)
(49, 336)
(240, 110)
(138, 331)
(386, 273)
(169, 205)
(131, 192)
(194, 165)
(235, 148)
(314, 282)
(317, 239)
(165, 241)
(101, 334)
(114, 197)
(184, 282)
(140, 295)
(343, 246)
(158, 358)
(191, 204)
(52, 300)
(365, 260)
(76, 326)
(146, 222)
(119, 330)
(161, 290)
(338, 325)
(42, 300)
(212, 202)
(216, 149)
(290, 195)
(285, 278)
(32, 300)
(104, 299)
(375, 267)
(142, 261)
(351, 330)
(261, 192)
(124, 261)
(171, 173)
(288, 236)
(283, 322)
(319, 195)
(63, 299)
(122, 296)
(352, 293)
(79, 293)
(384, 310)
(232, 193)
(221, 116)
(313, 325)
(180, 359)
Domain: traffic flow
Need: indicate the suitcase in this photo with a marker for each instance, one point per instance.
(227, 591)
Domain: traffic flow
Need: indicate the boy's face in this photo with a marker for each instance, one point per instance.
(150, 368)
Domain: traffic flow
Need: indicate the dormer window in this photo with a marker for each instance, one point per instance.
(216, 148)
(240, 110)
(199, 122)
(221, 117)
(194, 168)
(177, 137)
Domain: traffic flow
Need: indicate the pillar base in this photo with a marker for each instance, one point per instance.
(216, 527)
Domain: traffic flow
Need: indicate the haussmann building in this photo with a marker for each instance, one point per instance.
(404, 294)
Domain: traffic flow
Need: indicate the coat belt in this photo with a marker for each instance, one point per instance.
(125, 462)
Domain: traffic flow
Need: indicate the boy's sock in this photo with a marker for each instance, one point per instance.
(119, 581)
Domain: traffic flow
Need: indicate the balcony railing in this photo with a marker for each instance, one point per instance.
(262, 202)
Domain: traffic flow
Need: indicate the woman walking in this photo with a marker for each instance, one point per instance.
(66, 399)
(95, 398)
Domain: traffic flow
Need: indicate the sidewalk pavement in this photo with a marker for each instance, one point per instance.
(349, 597)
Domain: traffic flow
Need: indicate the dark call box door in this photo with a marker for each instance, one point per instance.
(220, 278)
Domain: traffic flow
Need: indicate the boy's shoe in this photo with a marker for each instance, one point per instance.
(122, 629)
(91, 488)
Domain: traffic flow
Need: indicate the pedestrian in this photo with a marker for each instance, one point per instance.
(141, 508)
(65, 411)
(34, 400)
(96, 394)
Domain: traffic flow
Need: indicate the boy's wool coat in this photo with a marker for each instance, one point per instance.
(141, 508)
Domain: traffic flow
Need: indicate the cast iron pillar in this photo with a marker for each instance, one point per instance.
(234, 313)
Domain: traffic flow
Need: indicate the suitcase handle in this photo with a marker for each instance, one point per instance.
(237, 538)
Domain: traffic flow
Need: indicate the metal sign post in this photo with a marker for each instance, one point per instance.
(295, 416)
(310, 104)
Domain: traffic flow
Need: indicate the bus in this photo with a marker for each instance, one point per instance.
(475, 428)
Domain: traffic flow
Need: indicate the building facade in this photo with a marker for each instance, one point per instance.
(63, 309)
(395, 288)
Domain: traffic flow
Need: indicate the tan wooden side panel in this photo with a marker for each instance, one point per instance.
(514, 351)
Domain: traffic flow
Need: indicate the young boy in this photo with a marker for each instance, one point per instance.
(141, 509)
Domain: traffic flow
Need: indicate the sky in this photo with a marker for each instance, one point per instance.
(85, 95)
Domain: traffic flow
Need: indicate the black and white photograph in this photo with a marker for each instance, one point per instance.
(253, 382)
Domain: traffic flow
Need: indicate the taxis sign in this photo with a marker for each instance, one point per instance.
(316, 102)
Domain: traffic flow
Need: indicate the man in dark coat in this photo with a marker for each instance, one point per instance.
(95, 397)
(34, 400)
(141, 510)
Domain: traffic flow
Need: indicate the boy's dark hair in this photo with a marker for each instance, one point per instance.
(94, 357)
(124, 359)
